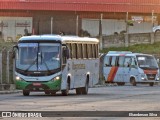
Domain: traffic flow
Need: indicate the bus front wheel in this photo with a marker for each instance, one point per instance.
(66, 91)
(26, 92)
(47, 92)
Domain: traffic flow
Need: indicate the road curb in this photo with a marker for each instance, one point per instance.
(106, 84)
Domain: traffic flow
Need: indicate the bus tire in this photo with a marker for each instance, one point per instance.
(133, 81)
(85, 88)
(66, 91)
(26, 92)
(151, 84)
(53, 93)
(78, 91)
(47, 92)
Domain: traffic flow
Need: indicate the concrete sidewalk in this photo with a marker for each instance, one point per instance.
(10, 91)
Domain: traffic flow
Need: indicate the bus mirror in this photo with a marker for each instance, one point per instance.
(158, 61)
(15, 47)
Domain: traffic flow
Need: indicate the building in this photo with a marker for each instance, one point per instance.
(76, 17)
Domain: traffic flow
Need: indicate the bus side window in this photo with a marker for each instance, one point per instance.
(65, 54)
(69, 46)
(85, 53)
(107, 61)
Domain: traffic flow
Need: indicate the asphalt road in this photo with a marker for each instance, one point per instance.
(110, 98)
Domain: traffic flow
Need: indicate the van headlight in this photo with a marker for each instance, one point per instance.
(143, 76)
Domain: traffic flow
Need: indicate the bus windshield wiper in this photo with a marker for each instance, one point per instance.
(35, 60)
(45, 64)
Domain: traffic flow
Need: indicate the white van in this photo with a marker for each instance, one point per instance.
(122, 67)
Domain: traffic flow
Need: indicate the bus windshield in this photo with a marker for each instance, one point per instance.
(147, 62)
(38, 56)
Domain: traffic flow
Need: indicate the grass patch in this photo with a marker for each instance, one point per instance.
(139, 48)
(7, 45)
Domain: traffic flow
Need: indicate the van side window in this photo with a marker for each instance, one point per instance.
(133, 63)
(127, 61)
(121, 61)
(113, 62)
(107, 61)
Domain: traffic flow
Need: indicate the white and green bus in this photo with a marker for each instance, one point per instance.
(52, 63)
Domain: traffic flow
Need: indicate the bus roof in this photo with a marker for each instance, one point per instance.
(79, 39)
(57, 38)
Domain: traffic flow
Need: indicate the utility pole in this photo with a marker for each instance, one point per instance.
(152, 18)
(77, 21)
(127, 31)
(51, 25)
(100, 32)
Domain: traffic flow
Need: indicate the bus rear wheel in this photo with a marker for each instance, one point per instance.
(85, 88)
(26, 92)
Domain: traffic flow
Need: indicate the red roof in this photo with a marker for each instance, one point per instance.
(143, 6)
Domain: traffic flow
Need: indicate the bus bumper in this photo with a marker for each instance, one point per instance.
(38, 86)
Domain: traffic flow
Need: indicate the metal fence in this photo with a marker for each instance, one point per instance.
(6, 70)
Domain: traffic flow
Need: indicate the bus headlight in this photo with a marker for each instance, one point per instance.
(157, 78)
(18, 78)
(56, 78)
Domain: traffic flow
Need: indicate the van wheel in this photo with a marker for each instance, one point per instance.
(133, 81)
(26, 92)
(85, 88)
(66, 91)
(151, 84)
(78, 91)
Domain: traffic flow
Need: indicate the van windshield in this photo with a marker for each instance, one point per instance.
(147, 62)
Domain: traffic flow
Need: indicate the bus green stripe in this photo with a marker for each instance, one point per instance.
(52, 85)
